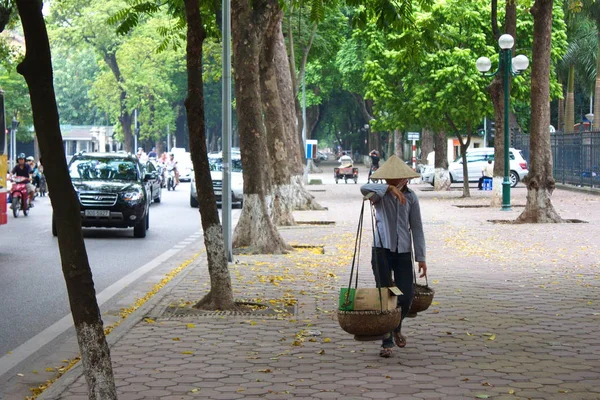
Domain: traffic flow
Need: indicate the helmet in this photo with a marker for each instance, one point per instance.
(30, 158)
(21, 155)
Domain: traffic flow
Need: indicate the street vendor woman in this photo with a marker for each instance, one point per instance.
(398, 218)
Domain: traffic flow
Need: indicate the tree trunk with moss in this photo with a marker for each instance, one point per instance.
(255, 229)
(36, 68)
(540, 181)
(277, 140)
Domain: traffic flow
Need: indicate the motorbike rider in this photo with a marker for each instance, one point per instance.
(374, 162)
(171, 163)
(345, 160)
(24, 170)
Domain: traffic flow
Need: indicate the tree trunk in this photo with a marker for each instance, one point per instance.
(301, 198)
(281, 213)
(255, 228)
(398, 144)
(426, 145)
(221, 294)
(441, 180)
(540, 181)
(496, 90)
(570, 102)
(560, 124)
(390, 145)
(36, 68)
(125, 118)
(597, 91)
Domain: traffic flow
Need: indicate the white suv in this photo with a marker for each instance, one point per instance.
(477, 159)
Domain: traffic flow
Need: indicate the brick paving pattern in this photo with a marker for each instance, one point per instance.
(515, 316)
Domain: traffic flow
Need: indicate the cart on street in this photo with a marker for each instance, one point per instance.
(345, 173)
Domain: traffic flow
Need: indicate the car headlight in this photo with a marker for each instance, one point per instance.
(132, 196)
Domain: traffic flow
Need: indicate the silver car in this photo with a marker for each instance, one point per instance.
(478, 158)
(216, 174)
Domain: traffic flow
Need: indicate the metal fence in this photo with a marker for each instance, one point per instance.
(576, 156)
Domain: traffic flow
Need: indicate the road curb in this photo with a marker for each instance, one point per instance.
(55, 391)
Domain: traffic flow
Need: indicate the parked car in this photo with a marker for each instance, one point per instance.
(112, 191)
(216, 174)
(477, 159)
(155, 180)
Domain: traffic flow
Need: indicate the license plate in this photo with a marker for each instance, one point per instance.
(97, 213)
(217, 192)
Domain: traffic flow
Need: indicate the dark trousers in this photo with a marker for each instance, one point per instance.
(401, 267)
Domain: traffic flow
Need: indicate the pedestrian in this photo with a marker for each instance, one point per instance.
(398, 230)
(356, 156)
(486, 172)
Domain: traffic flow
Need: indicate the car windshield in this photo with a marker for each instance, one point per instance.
(103, 168)
(216, 164)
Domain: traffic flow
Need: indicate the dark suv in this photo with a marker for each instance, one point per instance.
(112, 191)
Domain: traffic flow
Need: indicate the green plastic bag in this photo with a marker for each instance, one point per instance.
(347, 299)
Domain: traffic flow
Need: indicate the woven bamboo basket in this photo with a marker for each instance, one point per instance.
(422, 298)
(369, 323)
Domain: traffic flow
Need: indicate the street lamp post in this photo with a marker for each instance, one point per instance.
(517, 65)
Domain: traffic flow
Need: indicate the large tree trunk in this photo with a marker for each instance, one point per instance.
(36, 68)
(570, 102)
(221, 294)
(274, 123)
(496, 90)
(301, 199)
(255, 228)
(540, 181)
(441, 180)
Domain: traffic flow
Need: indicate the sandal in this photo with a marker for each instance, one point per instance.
(385, 353)
(399, 339)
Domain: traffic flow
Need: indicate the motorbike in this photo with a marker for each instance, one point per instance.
(171, 178)
(371, 170)
(19, 196)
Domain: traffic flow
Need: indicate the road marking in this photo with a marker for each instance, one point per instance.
(18, 355)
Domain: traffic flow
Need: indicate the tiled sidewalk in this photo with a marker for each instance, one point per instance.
(515, 316)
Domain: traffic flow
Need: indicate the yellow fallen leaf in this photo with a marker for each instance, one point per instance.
(190, 326)
(511, 391)
(49, 369)
(590, 302)
(149, 320)
(196, 390)
(187, 352)
(267, 370)
(326, 340)
(493, 337)
(435, 303)
(176, 339)
(322, 352)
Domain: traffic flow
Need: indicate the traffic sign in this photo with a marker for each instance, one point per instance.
(413, 135)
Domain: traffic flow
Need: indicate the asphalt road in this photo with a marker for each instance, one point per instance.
(32, 289)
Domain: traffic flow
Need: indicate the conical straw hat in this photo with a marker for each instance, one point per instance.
(394, 168)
